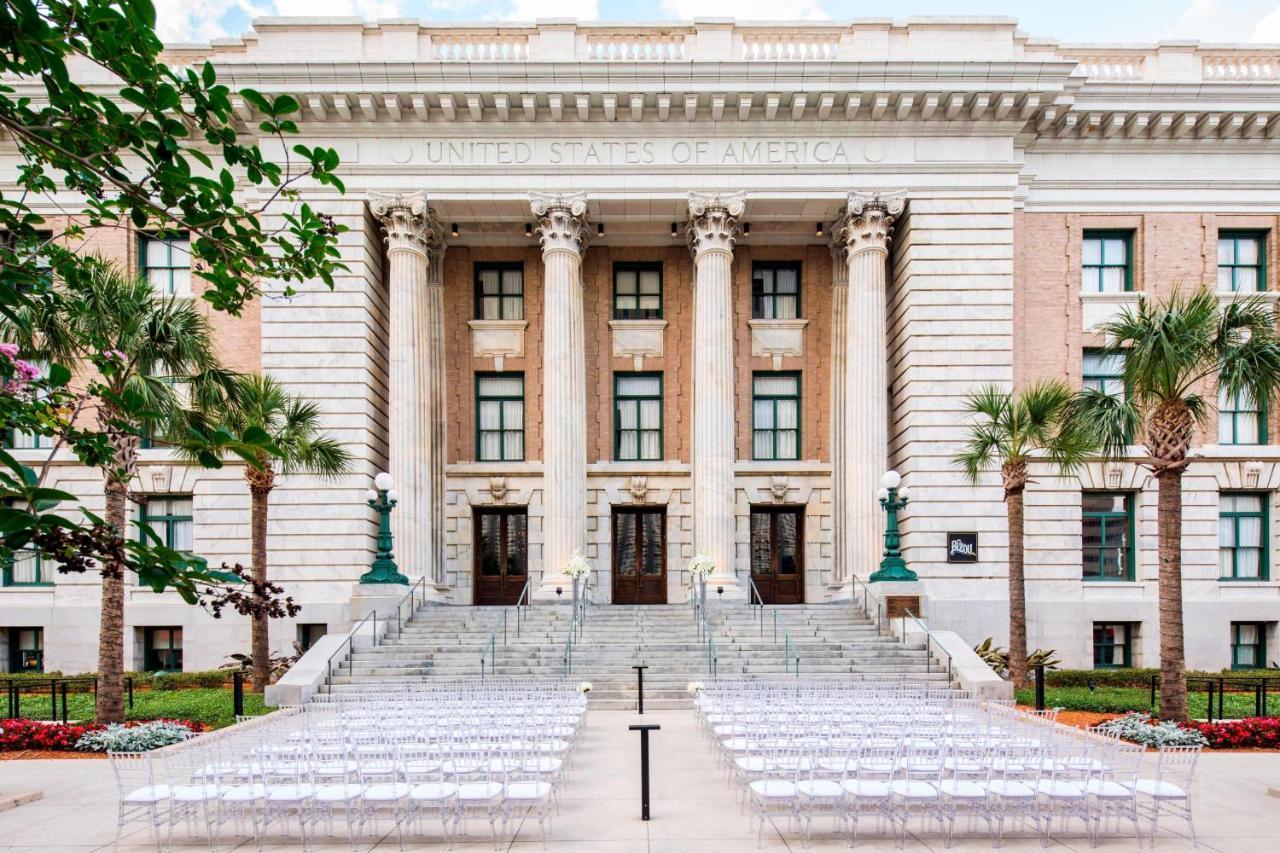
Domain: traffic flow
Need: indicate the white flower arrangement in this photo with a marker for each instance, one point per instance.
(694, 687)
(701, 566)
(584, 688)
(577, 567)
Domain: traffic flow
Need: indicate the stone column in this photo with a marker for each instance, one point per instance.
(839, 336)
(415, 381)
(562, 230)
(866, 229)
(713, 229)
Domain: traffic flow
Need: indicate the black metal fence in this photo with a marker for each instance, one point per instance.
(54, 690)
(1246, 693)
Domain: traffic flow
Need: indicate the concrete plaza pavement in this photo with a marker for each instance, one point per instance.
(693, 809)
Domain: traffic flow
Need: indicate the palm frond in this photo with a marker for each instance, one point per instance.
(1105, 422)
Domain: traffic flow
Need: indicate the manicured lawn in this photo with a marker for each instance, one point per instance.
(211, 706)
(1119, 700)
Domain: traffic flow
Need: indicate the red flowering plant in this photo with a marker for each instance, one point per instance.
(1249, 733)
(18, 735)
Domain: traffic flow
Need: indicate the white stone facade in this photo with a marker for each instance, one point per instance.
(976, 134)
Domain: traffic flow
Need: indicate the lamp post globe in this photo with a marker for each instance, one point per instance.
(383, 482)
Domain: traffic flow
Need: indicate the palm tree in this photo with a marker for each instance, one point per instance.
(296, 445)
(1172, 351)
(1011, 431)
(143, 345)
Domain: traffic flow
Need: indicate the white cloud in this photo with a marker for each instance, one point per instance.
(746, 10)
(184, 21)
(529, 10)
(1268, 29)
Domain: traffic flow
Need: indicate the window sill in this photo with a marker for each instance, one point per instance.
(1249, 583)
(27, 587)
(1120, 582)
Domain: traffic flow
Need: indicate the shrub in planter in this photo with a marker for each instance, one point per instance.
(136, 738)
(1138, 728)
(1251, 732)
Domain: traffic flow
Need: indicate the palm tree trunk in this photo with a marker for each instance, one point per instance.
(1017, 591)
(260, 646)
(1173, 670)
(109, 705)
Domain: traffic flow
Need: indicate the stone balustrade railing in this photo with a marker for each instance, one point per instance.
(1175, 63)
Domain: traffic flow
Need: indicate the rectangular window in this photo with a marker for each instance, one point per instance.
(500, 417)
(170, 518)
(637, 416)
(309, 633)
(1104, 371)
(500, 291)
(637, 291)
(1242, 536)
(1241, 262)
(1240, 419)
(166, 263)
(17, 440)
(26, 650)
(1248, 645)
(1106, 536)
(1106, 262)
(1112, 646)
(162, 649)
(23, 252)
(27, 568)
(775, 407)
(775, 291)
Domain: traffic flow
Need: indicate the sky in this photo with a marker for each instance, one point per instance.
(1126, 21)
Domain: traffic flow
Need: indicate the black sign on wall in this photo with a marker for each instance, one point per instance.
(962, 547)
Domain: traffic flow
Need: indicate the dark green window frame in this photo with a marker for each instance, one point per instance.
(1234, 267)
(1123, 521)
(1104, 645)
(774, 399)
(164, 524)
(166, 657)
(1234, 517)
(26, 659)
(502, 431)
(41, 574)
(175, 261)
(636, 403)
(1092, 275)
(1259, 649)
(1229, 421)
(636, 312)
(765, 293)
(500, 297)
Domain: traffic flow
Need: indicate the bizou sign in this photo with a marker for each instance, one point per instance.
(962, 547)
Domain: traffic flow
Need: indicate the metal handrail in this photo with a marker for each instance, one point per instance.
(348, 642)
(701, 619)
(408, 596)
(790, 651)
(867, 598)
(490, 647)
(576, 621)
(525, 593)
(929, 641)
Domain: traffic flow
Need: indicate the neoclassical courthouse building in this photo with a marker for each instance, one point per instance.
(651, 291)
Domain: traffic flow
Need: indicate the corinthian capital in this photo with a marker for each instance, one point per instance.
(407, 223)
(562, 221)
(868, 220)
(713, 221)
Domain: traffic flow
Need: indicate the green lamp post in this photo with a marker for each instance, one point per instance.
(384, 499)
(892, 499)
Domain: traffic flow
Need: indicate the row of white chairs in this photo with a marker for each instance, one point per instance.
(902, 754)
(401, 762)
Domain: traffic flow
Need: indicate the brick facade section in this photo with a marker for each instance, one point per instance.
(1171, 251)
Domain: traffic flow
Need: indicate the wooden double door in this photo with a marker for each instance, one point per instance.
(777, 553)
(501, 549)
(639, 555)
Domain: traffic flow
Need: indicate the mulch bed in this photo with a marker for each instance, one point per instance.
(33, 754)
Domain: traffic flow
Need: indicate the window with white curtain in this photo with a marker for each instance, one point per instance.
(1240, 419)
(637, 416)
(775, 406)
(1242, 543)
(171, 518)
(500, 291)
(637, 291)
(1241, 265)
(775, 291)
(166, 263)
(1248, 645)
(1105, 265)
(500, 417)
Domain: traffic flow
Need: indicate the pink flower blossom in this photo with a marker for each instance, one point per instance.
(114, 355)
(9, 350)
(26, 370)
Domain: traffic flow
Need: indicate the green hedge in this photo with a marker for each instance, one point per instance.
(154, 680)
(1121, 700)
(1142, 677)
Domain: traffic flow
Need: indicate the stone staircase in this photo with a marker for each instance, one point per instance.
(832, 641)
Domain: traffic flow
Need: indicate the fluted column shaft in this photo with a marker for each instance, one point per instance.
(713, 230)
(839, 337)
(415, 383)
(866, 232)
(563, 232)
